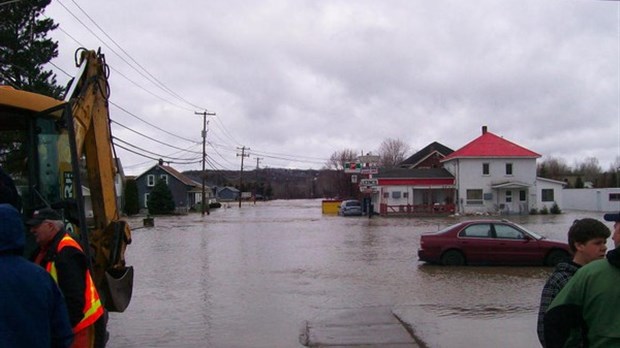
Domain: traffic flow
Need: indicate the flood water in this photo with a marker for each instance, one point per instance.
(250, 277)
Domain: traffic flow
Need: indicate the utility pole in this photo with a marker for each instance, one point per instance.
(204, 202)
(256, 179)
(243, 154)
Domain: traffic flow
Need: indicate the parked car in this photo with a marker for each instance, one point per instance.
(490, 242)
(350, 207)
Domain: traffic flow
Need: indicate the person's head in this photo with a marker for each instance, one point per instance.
(45, 224)
(587, 238)
(8, 191)
(12, 238)
(615, 218)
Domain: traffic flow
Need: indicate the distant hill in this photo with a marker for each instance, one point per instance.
(279, 183)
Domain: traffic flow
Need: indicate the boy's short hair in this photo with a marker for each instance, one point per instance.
(584, 230)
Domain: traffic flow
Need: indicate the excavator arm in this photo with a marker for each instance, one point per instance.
(108, 235)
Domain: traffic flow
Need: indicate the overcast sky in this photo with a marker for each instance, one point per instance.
(295, 81)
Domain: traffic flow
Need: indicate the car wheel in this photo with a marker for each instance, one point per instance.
(453, 258)
(555, 257)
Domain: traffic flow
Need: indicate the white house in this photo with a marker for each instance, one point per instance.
(495, 175)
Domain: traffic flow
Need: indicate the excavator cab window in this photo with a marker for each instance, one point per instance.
(29, 144)
(34, 152)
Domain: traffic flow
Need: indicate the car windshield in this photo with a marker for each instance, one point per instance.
(353, 204)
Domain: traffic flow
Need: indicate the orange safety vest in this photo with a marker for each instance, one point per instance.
(92, 304)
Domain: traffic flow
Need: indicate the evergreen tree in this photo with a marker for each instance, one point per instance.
(132, 205)
(579, 182)
(25, 47)
(160, 200)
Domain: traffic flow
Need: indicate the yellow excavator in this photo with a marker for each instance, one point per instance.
(59, 154)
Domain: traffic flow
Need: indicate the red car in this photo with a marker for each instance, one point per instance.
(490, 242)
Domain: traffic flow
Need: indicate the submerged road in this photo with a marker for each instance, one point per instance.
(256, 276)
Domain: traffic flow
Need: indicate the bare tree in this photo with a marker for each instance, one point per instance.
(392, 152)
(589, 169)
(553, 168)
(338, 159)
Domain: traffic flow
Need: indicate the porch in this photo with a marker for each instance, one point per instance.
(416, 209)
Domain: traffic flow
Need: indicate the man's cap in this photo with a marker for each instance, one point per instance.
(12, 236)
(612, 217)
(41, 215)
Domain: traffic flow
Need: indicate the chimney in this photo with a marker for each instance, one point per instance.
(484, 129)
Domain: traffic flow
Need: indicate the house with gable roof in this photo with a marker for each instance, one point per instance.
(420, 185)
(495, 175)
(429, 157)
(185, 192)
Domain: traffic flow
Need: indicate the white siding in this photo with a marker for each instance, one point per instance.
(591, 199)
(546, 184)
(469, 175)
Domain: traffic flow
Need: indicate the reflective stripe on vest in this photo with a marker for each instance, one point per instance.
(92, 304)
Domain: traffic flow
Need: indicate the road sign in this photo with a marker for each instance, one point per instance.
(352, 167)
(369, 182)
(369, 170)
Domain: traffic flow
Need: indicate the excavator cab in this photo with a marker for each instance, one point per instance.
(33, 138)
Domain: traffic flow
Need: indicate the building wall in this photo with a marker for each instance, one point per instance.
(469, 176)
(393, 195)
(598, 199)
(179, 190)
(538, 196)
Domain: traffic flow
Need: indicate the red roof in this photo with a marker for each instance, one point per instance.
(491, 145)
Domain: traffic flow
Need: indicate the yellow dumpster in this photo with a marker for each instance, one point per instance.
(330, 206)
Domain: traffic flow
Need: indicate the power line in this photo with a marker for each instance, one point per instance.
(150, 124)
(151, 152)
(155, 140)
(153, 158)
(150, 77)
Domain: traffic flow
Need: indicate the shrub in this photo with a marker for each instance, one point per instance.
(533, 211)
(132, 205)
(160, 200)
(544, 210)
(555, 209)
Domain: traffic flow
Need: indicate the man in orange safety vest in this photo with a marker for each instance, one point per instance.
(66, 262)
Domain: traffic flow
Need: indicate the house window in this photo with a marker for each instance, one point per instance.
(386, 195)
(547, 195)
(614, 197)
(150, 180)
(474, 197)
(508, 168)
(164, 178)
(396, 194)
(405, 194)
(508, 196)
(146, 200)
(522, 195)
(485, 169)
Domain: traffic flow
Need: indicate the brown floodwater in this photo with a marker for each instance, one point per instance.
(251, 276)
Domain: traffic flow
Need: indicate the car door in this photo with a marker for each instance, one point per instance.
(475, 240)
(513, 246)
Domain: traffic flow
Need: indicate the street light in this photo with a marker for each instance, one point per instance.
(204, 156)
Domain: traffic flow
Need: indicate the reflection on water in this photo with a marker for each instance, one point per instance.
(249, 277)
